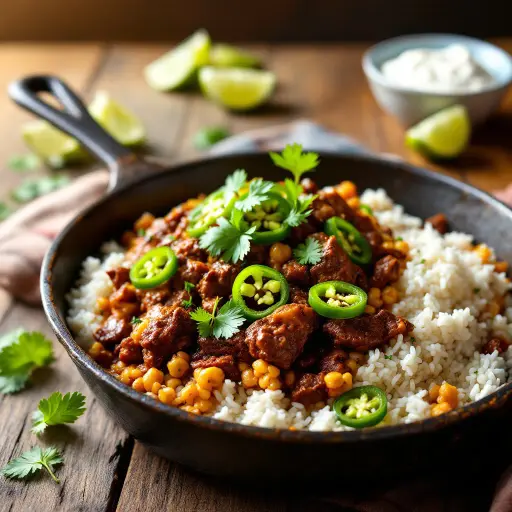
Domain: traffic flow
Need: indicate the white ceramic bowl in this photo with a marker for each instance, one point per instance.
(411, 105)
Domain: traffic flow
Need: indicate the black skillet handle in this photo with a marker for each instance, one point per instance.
(75, 120)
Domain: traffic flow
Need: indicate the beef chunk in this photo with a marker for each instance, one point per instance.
(310, 389)
(226, 363)
(367, 331)
(336, 265)
(375, 240)
(114, 330)
(119, 276)
(298, 296)
(258, 255)
(188, 248)
(234, 346)
(333, 361)
(330, 204)
(301, 232)
(130, 352)
(439, 223)
(280, 337)
(170, 329)
(296, 273)
(387, 270)
(178, 297)
(496, 343)
(218, 282)
(309, 186)
(153, 296)
(192, 271)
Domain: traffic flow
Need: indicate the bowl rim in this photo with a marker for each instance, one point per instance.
(83, 361)
(373, 72)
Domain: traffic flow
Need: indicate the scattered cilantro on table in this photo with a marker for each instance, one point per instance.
(30, 189)
(32, 461)
(308, 253)
(22, 163)
(20, 354)
(57, 409)
(223, 323)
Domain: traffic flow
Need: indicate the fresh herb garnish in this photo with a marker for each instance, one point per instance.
(234, 182)
(188, 288)
(294, 160)
(308, 253)
(135, 320)
(33, 461)
(208, 136)
(412, 339)
(222, 324)
(5, 211)
(228, 240)
(57, 410)
(20, 355)
(30, 189)
(21, 163)
(399, 239)
(300, 211)
(258, 193)
(422, 261)
(388, 357)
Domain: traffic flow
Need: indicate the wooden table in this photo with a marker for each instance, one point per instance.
(104, 468)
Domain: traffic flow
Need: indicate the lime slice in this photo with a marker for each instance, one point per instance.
(51, 144)
(442, 135)
(178, 67)
(226, 56)
(237, 88)
(119, 122)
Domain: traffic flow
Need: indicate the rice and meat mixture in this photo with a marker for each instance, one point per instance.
(433, 336)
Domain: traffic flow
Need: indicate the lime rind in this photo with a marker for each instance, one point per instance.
(124, 126)
(443, 135)
(178, 68)
(225, 55)
(237, 88)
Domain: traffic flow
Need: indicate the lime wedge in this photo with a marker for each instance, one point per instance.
(237, 88)
(178, 67)
(117, 120)
(227, 56)
(51, 144)
(442, 135)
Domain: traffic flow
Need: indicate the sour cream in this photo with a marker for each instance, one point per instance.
(449, 70)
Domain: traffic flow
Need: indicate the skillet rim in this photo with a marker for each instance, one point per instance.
(83, 361)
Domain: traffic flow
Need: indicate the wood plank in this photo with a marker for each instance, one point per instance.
(92, 446)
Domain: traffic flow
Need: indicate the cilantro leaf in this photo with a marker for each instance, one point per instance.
(234, 182)
(19, 357)
(294, 160)
(223, 324)
(21, 163)
(5, 211)
(135, 320)
(30, 189)
(258, 193)
(308, 253)
(228, 239)
(33, 461)
(299, 213)
(292, 190)
(189, 286)
(57, 410)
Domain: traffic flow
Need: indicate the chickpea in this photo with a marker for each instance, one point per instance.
(347, 189)
(210, 378)
(172, 382)
(166, 395)
(280, 253)
(96, 349)
(374, 298)
(203, 405)
(273, 371)
(274, 384)
(264, 381)
(151, 376)
(204, 394)
(156, 387)
(389, 295)
(103, 305)
(249, 380)
(177, 367)
(402, 246)
(189, 393)
(333, 380)
(183, 355)
(138, 385)
(260, 367)
(448, 394)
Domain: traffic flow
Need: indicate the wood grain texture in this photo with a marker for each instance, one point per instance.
(322, 83)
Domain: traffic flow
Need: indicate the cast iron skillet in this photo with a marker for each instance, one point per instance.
(234, 450)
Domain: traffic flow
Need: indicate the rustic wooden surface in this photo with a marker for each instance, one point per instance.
(105, 470)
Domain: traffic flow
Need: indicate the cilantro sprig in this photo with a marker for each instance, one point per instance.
(258, 193)
(23, 163)
(229, 239)
(20, 354)
(57, 409)
(293, 159)
(33, 461)
(223, 323)
(308, 253)
(188, 288)
(234, 183)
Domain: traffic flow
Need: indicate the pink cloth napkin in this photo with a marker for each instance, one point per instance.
(26, 236)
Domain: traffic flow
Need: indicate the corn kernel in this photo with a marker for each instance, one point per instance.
(103, 304)
(273, 371)
(448, 394)
(151, 376)
(374, 297)
(388, 245)
(389, 295)
(438, 409)
(166, 395)
(189, 393)
(156, 387)
(96, 349)
(289, 378)
(177, 367)
(183, 355)
(402, 246)
(196, 373)
(204, 394)
(118, 367)
(172, 382)
(191, 409)
(369, 309)
(260, 367)
(352, 366)
(484, 252)
(346, 189)
(243, 366)
(203, 405)
(264, 381)
(333, 380)
(138, 330)
(274, 384)
(249, 380)
(210, 378)
(433, 393)
(138, 385)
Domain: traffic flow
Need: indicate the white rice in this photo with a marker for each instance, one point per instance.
(444, 292)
